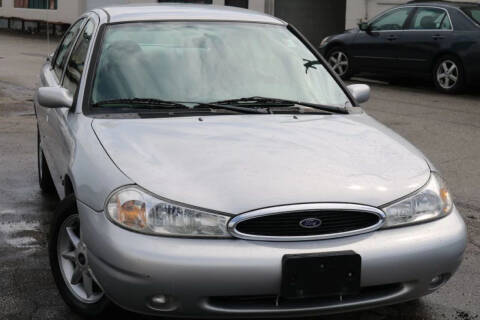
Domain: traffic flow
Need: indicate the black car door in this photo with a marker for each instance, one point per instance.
(430, 31)
(376, 49)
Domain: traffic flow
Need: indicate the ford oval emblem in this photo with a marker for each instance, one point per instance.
(310, 223)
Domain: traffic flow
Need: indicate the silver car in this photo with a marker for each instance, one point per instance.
(211, 164)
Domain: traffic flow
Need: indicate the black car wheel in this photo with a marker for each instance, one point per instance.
(44, 177)
(69, 263)
(340, 62)
(448, 74)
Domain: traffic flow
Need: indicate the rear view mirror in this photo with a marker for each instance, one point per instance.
(54, 97)
(360, 92)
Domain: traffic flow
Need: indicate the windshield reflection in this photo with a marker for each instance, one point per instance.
(210, 61)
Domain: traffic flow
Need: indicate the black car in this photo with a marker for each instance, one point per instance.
(439, 40)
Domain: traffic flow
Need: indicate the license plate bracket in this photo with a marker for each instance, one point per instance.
(321, 275)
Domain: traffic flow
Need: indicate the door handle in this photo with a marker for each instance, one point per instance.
(392, 38)
(438, 37)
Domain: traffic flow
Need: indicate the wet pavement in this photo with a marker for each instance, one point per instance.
(446, 128)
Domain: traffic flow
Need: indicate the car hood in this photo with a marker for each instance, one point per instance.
(234, 164)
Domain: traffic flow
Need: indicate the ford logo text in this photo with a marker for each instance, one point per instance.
(310, 223)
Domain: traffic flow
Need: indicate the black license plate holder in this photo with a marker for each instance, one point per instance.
(321, 275)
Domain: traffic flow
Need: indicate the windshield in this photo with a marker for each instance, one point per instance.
(473, 12)
(210, 61)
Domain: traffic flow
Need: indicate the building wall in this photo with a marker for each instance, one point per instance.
(68, 11)
(92, 4)
(258, 5)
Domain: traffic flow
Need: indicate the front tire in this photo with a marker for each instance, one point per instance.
(448, 75)
(69, 263)
(339, 60)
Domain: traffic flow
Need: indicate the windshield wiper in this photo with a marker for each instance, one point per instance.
(264, 101)
(233, 108)
(253, 105)
(145, 103)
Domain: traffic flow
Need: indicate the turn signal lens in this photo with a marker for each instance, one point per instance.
(447, 200)
(132, 213)
(128, 209)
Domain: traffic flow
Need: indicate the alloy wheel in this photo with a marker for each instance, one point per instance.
(338, 60)
(447, 74)
(73, 262)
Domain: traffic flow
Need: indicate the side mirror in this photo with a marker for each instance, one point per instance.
(360, 92)
(365, 26)
(50, 57)
(54, 97)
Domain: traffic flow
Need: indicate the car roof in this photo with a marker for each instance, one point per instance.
(443, 4)
(178, 12)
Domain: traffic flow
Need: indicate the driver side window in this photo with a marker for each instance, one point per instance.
(65, 47)
(74, 71)
(392, 20)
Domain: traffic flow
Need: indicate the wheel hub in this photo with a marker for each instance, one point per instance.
(339, 62)
(81, 259)
(447, 74)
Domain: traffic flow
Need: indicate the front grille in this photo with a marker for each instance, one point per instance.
(288, 224)
(274, 302)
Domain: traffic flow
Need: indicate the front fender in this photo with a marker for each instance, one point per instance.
(93, 174)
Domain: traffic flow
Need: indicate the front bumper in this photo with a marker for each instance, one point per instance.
(206, 278)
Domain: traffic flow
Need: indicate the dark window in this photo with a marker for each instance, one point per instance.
(473, 12)
(36, 4)
(65, 47)
(392, 20)
(74, 71)
(237, 3)
(188, 1)
(431, 19)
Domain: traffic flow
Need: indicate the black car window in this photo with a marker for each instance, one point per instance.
(447, 23)
(392, 20)
(65, 47)
(76, 63)
(473, 12)
(431, 19)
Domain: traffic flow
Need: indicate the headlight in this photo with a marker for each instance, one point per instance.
(324, 41)
(137, 210)
(431, 202)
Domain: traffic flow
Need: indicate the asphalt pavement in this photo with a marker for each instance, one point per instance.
(446, 128)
